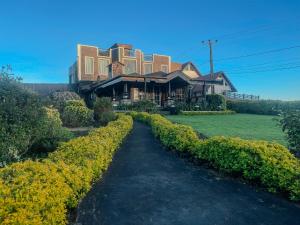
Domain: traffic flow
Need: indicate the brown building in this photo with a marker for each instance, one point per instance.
(127, 75)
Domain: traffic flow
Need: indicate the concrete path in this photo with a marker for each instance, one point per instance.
(147, 184)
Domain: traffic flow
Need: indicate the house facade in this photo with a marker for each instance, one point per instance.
(128, 75)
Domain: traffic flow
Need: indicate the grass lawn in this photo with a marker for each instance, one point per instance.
(246, 126)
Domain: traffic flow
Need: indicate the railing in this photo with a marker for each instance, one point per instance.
(233, 95)
(104, 52)
(129, 52)
(148, 57)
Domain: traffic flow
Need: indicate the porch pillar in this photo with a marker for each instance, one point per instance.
(145, 88)
(125, 94)
(113, 93)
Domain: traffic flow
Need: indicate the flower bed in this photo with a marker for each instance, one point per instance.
(40, 192)
(269, 164)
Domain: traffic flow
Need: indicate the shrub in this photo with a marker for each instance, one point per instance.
(216, 102)
(76, 114)
(145, 106)
(35, 192)
(265, 107)
(270, 164)
(52, 133)
(103, 111)
(21, 116)
(290, 122)
(59, 99)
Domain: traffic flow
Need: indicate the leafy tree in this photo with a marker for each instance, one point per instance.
(23, 120)
(290, 122)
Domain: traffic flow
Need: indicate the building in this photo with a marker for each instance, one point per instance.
(128, 75)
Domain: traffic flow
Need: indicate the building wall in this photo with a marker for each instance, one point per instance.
(116, 55)
(159, 60)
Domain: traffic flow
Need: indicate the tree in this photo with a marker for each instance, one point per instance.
(290, 122)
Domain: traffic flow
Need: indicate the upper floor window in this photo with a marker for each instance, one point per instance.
(89, 65)
(129, 52)
(148, 57)
(164, 68)
(103, 66)
(130, 66)
(147, 68)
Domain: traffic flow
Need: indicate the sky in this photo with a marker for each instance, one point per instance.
(258, 42)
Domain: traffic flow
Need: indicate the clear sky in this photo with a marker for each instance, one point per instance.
(258, 41)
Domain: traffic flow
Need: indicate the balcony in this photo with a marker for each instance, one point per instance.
(104, 52)
(148, 57)
(129, 52)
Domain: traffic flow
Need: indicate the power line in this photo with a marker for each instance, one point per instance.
(265, 66)
(259, 53)
(269, 70)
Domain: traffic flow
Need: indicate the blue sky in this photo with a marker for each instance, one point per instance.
(38, 38)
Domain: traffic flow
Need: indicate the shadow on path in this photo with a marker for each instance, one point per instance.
(146, 184)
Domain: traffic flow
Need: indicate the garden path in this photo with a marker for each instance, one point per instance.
(146, 184)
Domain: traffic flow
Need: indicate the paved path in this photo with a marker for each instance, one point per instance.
(147, 184)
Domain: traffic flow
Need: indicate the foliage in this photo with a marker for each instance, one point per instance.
(216, 102)
(21, 118)
(33, 192)
(246, 126)
(59, 99)
(51, 133)
(270, 164)
(290, 123)
(76, 114)
(140, 106)
(194, 113)
(265, 107)
(103, 111)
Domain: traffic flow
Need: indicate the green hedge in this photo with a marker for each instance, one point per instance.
(270, 164)
(192, 113)
(265, 107)
(40, 192)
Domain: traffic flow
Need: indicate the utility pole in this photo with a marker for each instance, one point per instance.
(210, 43)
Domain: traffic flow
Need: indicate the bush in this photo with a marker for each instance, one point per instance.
(52, 133)
(264, 107)
(290, 122)
(59, 99)
(270, 164)
(35, 192)
(216, 102)
(103, 111)
(21, 119)
(76, 114)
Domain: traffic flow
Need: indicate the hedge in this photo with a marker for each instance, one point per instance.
(194, 113)
(264, 107)
(269, 164)
(41, 192)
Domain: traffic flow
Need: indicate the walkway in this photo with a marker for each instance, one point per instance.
(147, 184)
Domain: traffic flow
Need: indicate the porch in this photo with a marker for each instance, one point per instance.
(131, 89)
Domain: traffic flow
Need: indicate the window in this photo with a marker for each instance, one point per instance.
(103, 66)
(89, 65)
(147, 68)
(130, 66)
(164, 68)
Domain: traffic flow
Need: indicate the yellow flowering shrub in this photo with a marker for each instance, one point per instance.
(270, 164)
(40, 192)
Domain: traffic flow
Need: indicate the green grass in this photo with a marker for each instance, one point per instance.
(246, 126)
